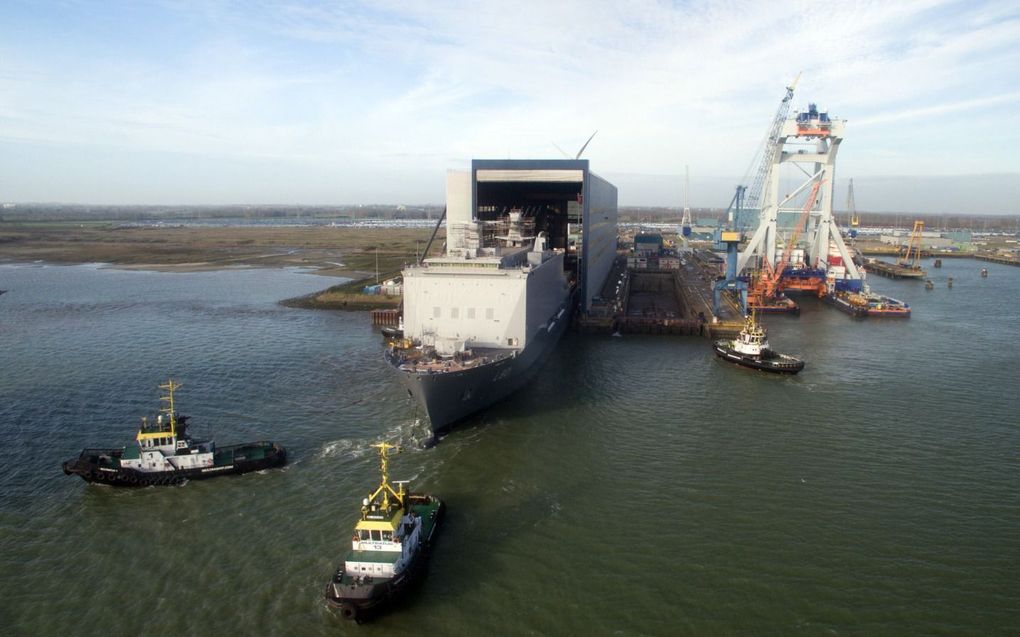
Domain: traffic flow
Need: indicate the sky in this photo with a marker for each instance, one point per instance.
(223, 102)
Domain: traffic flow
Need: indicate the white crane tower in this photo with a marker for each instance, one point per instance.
(825, 250)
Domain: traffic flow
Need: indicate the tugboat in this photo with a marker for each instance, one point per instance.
(391, 332)
(164, 454)
(389, 549)
(751, 349)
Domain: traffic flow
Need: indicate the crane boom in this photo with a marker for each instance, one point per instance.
(914, 247)
(754, 195)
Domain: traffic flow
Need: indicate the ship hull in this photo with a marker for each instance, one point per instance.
(783, 306)
(843, 305)
(450, 397)
(91, 467)
(883, 307)
(777, 365)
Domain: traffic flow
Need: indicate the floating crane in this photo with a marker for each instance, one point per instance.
(808, 142)
(914, 248)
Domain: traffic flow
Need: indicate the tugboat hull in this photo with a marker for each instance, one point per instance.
(362, 601)
(777, 363)
(101, 466)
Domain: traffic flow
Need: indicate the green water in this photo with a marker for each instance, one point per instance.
(638, 487)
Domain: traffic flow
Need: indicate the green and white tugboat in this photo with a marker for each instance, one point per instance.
(389, 549)
(164, 454)
(751, 349)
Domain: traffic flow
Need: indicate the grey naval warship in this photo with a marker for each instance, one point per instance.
(480, 320)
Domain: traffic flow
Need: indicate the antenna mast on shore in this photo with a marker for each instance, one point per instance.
(685, 220)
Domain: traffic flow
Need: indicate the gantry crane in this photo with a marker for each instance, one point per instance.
(825, 253)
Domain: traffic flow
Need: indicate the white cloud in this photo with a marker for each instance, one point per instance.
(364, 87)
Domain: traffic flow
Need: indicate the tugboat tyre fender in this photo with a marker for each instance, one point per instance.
(349, 611)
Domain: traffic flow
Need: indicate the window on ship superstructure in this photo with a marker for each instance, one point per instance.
(376, 536)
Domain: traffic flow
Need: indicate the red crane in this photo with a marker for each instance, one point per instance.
(771, 277)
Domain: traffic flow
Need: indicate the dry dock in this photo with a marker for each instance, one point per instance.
(659, 301)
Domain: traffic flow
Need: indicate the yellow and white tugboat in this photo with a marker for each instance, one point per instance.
(751, 349)
(389, 549)
(164, 454)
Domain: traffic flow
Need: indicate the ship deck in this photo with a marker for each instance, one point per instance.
(419, 362)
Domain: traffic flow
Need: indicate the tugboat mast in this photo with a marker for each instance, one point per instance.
(169, 399)
(385, 490)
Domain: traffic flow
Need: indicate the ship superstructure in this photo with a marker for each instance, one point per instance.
(527, 242)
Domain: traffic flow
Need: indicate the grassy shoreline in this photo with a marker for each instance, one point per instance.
(354, 253)
(347, 296)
